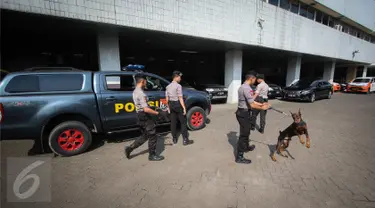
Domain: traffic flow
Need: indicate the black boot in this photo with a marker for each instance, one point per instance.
(154, 157)
(174, 140)
(261, 130)
(252, 127)
(128, 150)
(251, 147)
(187, 141)
(241, 159)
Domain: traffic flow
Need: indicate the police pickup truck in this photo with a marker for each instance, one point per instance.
(64, 108)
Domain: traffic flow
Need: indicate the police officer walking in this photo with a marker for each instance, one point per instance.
(177, 109)
(261, 96)
(145, 120)
(245, 104)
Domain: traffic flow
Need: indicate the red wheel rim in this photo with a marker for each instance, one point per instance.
(197, 119)
(71, 139)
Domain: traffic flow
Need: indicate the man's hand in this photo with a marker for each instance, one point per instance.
(265, 106)
(184, 111)
(169, 110)
(163, 115)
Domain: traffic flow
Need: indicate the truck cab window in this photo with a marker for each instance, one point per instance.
(23, 83)
(120, 83)
(60, 82)
(155, 84)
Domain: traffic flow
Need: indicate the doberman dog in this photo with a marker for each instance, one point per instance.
(297, 128)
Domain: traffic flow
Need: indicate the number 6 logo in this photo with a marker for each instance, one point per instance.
(23, 177)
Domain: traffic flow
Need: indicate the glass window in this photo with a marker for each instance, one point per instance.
(331, 22)
(155, 84)
(294, 7)
(60, 82)
(23, 83)
(285, 4)
(310, 13)
(353, 32)
(318, 17)
(359, 35)
(325, 19)
(345, 28)
(274, 2)
(303, 10)
(120, 83)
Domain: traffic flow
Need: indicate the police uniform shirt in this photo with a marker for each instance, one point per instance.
(245, 96)
(262, 90)
(139, 99)
(174, 91)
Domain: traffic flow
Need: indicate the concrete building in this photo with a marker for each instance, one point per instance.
(221, 40)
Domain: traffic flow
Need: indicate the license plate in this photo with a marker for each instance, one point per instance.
(291, 95)
(217, 97)
(220, 93)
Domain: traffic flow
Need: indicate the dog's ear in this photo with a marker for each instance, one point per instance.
(279, 132)
(299, 111)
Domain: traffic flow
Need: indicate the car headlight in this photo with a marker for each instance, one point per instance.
(225, 89)
(210, 90)
(305, 92)
(270, 89)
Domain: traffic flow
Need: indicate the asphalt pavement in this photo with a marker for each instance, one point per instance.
(337, 171)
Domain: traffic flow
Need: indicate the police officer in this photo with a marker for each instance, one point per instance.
(245, 104)
(145, 120)
(261, 96)
(177, 109)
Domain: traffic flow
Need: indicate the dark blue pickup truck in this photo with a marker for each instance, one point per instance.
(64, 108)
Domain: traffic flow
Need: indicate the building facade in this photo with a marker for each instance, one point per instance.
(335, 34)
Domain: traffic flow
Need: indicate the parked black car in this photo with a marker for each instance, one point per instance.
(216, 92)
(308, 90)
(274, 90)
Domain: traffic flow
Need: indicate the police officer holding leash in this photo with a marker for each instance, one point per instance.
(245, 104)
(261, 96)
(145, 120)
(177, 109)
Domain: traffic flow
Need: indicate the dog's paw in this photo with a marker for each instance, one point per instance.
(308, 145)
(273, 158)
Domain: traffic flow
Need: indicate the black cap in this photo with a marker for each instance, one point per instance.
(251, 73)
(177, 73)
(138, 77)
(260, 76)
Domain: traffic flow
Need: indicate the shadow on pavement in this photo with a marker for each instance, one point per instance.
(232, 139)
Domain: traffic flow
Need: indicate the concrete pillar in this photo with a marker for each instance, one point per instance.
(233, 73)
(329, 71)
(108, 50)
(364, 73)
(294, 69)
(351, 73)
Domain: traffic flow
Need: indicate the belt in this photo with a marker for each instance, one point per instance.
(174, 101)
(243, 109)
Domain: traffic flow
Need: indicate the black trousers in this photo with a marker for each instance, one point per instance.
(177, 114)
(148, 132)
(263, 113)
(243, 118)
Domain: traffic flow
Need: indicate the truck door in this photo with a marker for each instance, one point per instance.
(116, 102)
(155, 91)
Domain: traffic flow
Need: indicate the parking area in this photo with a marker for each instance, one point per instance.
(337, 171)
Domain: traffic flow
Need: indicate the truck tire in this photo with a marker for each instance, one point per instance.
(70, 138)
(196, 118)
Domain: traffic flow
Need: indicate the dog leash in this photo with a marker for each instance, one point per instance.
(279, 111)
